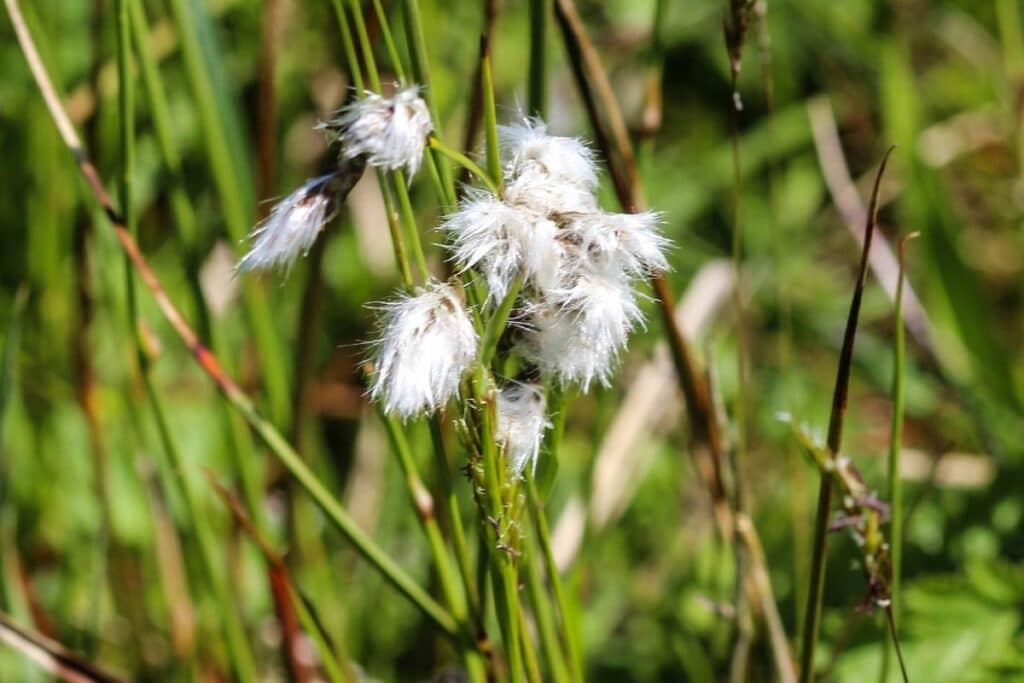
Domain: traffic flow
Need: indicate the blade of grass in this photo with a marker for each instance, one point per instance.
(816, 583)
(209, 363)
(895, 451)
(234, 193)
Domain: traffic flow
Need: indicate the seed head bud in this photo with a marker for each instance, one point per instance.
(522, 420)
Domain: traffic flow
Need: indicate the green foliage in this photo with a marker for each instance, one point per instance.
(649, 593)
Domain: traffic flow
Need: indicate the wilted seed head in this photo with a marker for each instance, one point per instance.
(547, 173)
(428, 343)
(522, 419)
(501, 241)
(294, 224)
(390, 132)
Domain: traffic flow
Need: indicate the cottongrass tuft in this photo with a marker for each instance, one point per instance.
(428, 344)
(522, 421)
(293, 225)
(389, 132)
(578, 303)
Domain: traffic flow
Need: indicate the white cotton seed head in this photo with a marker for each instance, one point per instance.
(612, 243)
(391, 133)
(522, 420)
(547, 173)
(501, 241)
(427, 346)
(292, 226)
(577, 334)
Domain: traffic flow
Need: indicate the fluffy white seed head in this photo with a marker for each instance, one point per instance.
(613, 243)
(577, 335)
(427, 345)
(292, 226)
(547, 173)
(391, 133)
(501, 241)
(522, 420)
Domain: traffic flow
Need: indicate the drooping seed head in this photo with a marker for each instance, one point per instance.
(293, 225)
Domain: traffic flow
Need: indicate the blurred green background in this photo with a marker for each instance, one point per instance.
(87, 549)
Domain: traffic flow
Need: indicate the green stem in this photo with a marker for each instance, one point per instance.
(465, 162)
(409, 218)
(490, 122)
(365, 47)
(237, 216)
(348, 46)
(895, 451)
(553, 654)
(389, 41)
(540, 12)
(569, 636)
(496, 325)
(421, 72)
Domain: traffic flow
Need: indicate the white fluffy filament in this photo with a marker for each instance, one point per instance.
(427, 345)
(391, 133)
(522, 420)
(292, 226)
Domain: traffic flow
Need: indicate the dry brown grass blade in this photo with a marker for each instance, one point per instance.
(51, 656)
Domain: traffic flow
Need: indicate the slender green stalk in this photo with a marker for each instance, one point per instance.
(389, 41)
(238, 646)
(496, 325)
(490, 122)
(569, 634)
(458, 533)
(895, 451)
(409, 218)
(348, 45)
(552, 648)
(530, 663)
(395, 228)
(365, 47)
(540, 13)
(465, 162)
(816, 587)
(421, 72)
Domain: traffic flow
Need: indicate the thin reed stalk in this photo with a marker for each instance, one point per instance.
(816, 582)
(895, 478)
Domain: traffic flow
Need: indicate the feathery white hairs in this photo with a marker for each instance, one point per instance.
(292, 226)
(578, 304)
(390, 132)
(428, 344)
(522, 421)
(387, 133)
